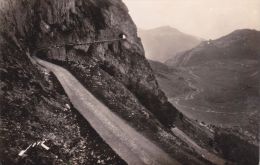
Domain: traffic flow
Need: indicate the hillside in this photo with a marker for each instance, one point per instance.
(162, 43)
(224, 96)
(225, 73)
(239, 45)
(34, 106)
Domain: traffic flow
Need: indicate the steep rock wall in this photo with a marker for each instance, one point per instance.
(115, 72)
(87, 21)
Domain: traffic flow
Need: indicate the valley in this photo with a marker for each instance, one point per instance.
(214, 87)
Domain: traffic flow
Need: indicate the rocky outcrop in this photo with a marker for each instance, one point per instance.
(33, 108)
(86, 21)
(116, 72)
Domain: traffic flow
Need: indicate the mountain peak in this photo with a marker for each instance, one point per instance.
(166, 28)
(164, 42)
(239, 44)
(244, 33)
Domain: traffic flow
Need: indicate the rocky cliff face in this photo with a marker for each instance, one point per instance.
(88, 21)
(116, 72)
(33, 108)
(33, 104)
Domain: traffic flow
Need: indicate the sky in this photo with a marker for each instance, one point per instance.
(208, 19)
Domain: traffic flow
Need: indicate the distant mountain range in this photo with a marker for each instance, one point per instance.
(222, 77)
(162, 43)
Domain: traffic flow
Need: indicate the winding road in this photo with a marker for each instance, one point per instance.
(129, 144)
(176, 101)
(189, 96)
(179, 102)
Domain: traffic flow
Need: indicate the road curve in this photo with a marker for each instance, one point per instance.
(130, 145)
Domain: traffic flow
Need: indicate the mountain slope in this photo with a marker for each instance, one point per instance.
(226, 74)
(116, 72)
(163, 43)
(218, 94)
(239, 45)
(126, 141)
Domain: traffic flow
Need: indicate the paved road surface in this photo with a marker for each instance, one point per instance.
(130, 145)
